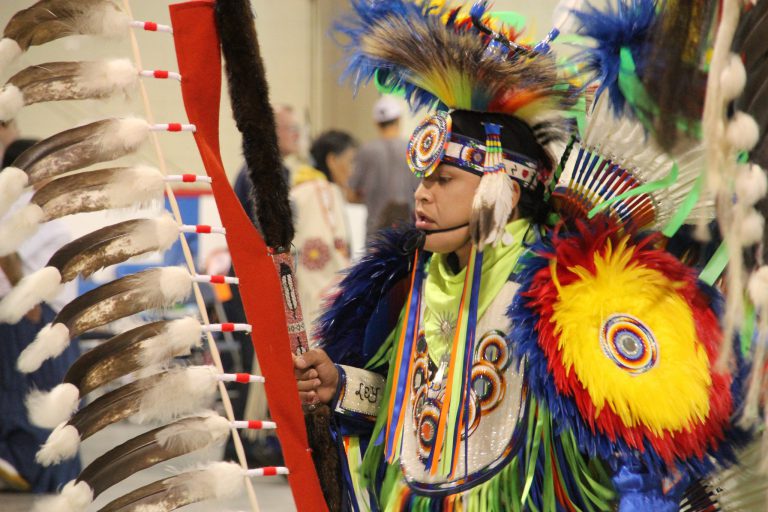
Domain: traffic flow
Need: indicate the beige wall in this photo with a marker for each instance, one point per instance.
(302, 62)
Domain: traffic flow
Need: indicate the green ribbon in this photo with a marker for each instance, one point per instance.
(717, 263)
(678, 219)
(648, 188)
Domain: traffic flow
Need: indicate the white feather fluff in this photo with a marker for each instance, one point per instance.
(197, 386)
(9, 52)
(20, 226)
(128, 133)
(11, 102)
(110, 77)
(62, 444)
(742, 132)
(751, 228)
(47, 409)
(74, 497)
(166, 231)
(175, 340)
(50, 342)
(758, 288)
(140, 185)
(43, 285)
(751, 183)
(225, 478)
(734, 78)
(175, 283)
(184, 437)
(12, 184)
(105, 20)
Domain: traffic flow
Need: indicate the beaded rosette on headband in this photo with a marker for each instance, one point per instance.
(458, 58)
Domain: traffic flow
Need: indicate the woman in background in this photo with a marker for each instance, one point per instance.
(322, 234)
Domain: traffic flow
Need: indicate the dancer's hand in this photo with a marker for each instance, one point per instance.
(316, 376)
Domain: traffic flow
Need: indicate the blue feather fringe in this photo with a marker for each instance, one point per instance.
(623, 23)
(342, 328)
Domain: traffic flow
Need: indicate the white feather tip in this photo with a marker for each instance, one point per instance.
(751, 228)
(175, 284)
(47, 409)
(50, 342)
(742, 132)
(112, 76)
(11, 102)
(62, 444)
(758, 288)
(74, 497)
(20, 226)
(167, 231)
(12, 183)
(226, 479)
(43, 285)
(9, 52)
(751, 184)
(177, 339)
(733, 78)
(197, 384)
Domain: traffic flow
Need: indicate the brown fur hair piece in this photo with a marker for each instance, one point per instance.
(255, 119)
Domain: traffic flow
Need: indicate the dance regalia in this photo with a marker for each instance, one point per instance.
(594, 372)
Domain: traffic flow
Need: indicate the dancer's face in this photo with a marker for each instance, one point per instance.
(444, 200)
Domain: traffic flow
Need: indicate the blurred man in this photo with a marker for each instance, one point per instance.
(288, 132)
(380, 179)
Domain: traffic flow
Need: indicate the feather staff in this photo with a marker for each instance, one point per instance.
(153, 288)
(217, 481)
(60, 81)
(104, 247)
(143, 347)
(48, 20)
(141, 452)
(150, 399)
(81, 193)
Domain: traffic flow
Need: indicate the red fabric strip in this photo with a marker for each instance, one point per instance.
(270, 471)
(227, 327)
(174, 127)
(189, 178)
(150, 26)
(197, 50)
(255, 424)
(160, 73)
(242, 378)
(202, 228)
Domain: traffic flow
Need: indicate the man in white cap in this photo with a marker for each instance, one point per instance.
(379, 179)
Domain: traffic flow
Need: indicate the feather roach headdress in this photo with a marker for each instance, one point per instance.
(48, 20)
(153, 288)
(452, 58)
(104, 247)
(58, 81)
(146, 346)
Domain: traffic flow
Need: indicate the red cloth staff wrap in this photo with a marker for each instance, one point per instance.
(197, 50)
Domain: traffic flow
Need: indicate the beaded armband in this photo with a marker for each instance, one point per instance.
(359, 394)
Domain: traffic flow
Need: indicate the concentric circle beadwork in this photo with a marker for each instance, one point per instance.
(629, 343)
(428, 142)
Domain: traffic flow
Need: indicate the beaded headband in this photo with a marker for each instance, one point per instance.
(433, 143)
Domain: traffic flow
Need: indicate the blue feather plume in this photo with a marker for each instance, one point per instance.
(622, 24)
